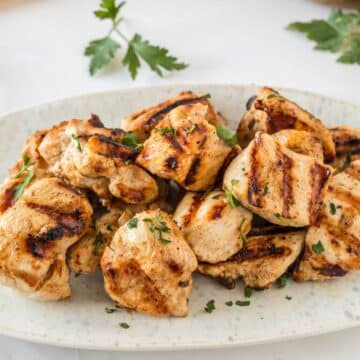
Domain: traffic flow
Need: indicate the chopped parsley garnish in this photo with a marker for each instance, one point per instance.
(266, 188)
(158, 229)
(287, 297)
(25, 167)
(205, 194)
(132, 223)
(124, 325)
(109, 227)
(243, 169)
(347, 161)
(98, 239)
(20, 188)
(166, 130)
(110, 310)
(210, 306)
(234, 182)
(318, 247)
(332, 209)
(247, 291)
(226, 135)
(129, 140)
(207, 96)
(284, 221)
(232, 200)
(190, 129)
(229, 303)
(77, 140)
(242, 302)
(243, 236)
(282, 280)
(215, 197)
(271, 96)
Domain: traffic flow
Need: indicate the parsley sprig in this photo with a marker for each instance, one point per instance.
(20, 188)
(101, 51)
(158, 228)
(339, 33)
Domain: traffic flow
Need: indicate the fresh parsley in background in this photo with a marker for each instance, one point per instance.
(102, 51)
(339, 33)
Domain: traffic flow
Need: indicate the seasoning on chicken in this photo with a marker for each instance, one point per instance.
(332, 244)
(84, 256)
(261, 261)
(90, 156)
(213, 228)
(35, 232)
(347, 142)
(270, 112)
(301, 142)
(148, 266)
(185, 148)
(284, 187)
(143, 121)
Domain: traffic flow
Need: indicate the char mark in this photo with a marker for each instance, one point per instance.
(285, 165)
(318, 178)
(269, 230)
(95, 121)
(112, 149)
(155, 118)
(216, 211)
(8, 198)
(343, 146)
(254, 187)
(173, 142)
(196, 201)
(190, 177)
(38, 244)
(250, 102)
(332, 270)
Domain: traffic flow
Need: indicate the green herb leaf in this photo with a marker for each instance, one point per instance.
(332, 209)
(271, 96)
(347, 161)
(229, 303)
(190, 129)
(20, 188)
(226, 135)
(25, 167)
(108, 9)
(232, 200)
(242, 235)
(101, 51)
(132, 223)
(284, 221)
(124, 325)
(234, 182)
(248, 291)
(339, 33)
(166, 130)
(129, 140)
(266, 189)
(109, 227)
(242, 302)
(318, 247)
(77, 140)
(287, 297)
(132, 62)
(215, 197)
(282, 280)
(210, 306)
(206, 193)
(110, 310)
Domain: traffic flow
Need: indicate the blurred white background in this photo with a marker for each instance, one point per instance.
(226, 41)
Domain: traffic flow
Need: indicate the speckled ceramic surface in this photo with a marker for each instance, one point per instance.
(82, 322)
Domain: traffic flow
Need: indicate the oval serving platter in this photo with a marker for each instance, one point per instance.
(81, 321)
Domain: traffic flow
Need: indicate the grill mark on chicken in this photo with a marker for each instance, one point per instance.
(95, 121)
(347, 145)
(184, 284)
(190, 177)
(268, 249)
(331, 270)
(318, 177)
(253, 176)
(155, 118)
(215, 211)
(171, 162)
(175, 267)
(112, 149)
(8, 198)
(173, 142)
(235, 151)
(196, 202)
(69, 187)
(285, 165)
(269, 230)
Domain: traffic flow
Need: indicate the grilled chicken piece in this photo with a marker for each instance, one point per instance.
(185, 148)
(143, 121)
(284, 187)
(35, 234)
(270, 112)
(347, 142)
(84, 256)
(332, 245)
(212, 227)
(148, 266)
(90, 156)
(301, 142)
(261, 261)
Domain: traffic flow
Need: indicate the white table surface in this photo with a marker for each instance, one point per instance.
(227, 41)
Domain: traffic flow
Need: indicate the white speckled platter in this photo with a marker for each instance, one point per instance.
(82, 322)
